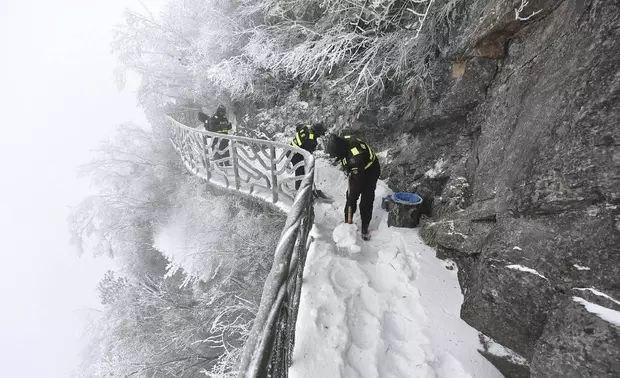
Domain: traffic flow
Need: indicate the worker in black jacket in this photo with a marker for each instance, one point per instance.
(360, 163)
(218, 123)
(306, 138)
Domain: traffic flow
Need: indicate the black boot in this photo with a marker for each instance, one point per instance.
(365, 233)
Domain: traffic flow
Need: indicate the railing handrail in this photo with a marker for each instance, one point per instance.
(269, 345)
(306, 154)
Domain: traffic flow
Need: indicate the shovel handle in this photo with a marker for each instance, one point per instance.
(349, 214)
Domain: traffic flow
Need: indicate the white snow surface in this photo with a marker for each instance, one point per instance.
(436, 170)
(497, 349)
(607, 314)
(380, 308)
(581, 267)
(599, 293)
(525, 269)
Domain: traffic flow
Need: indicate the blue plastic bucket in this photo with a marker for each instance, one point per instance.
(405, 198)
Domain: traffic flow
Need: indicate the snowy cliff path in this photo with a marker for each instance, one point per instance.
(382, 308)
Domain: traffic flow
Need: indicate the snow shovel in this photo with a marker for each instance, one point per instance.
(321, 197)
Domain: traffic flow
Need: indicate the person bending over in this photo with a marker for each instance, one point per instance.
(360, 163)
(306, 138)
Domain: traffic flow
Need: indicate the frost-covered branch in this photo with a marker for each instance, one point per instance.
(249, 48)
(521, 8)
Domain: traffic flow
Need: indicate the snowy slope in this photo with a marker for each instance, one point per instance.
(383, 308)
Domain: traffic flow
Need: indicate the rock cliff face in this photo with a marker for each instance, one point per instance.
(517, 156)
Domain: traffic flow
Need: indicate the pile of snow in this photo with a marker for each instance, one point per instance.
(345, 237)
(383, 308)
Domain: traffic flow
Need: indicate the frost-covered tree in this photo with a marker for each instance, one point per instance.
(135, 173)
(173, 51)
(200, 50)
(359, 43)
(169, 311)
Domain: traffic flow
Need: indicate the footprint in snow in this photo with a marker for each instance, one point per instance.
(346, 277)
(383, 277)
(363, 327)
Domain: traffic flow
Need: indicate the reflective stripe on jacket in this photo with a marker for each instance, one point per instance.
(219, 125)
(305, 138)
(360, 156)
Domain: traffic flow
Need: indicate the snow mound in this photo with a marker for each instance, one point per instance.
(345, 236)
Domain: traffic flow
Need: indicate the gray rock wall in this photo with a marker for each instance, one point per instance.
(517, 154)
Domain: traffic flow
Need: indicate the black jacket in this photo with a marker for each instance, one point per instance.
(305, 138)
(218, 124)
(360, 157)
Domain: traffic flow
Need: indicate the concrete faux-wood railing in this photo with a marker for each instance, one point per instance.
(261, 168)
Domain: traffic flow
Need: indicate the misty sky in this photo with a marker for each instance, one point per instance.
(57, 101)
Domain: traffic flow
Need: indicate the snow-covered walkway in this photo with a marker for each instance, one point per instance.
(383, 308)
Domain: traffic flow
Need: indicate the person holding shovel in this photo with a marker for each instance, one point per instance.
(306, 138)
(360, 163)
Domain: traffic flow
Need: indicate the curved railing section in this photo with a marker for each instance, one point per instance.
(262, 168)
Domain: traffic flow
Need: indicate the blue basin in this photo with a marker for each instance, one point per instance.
(405, 198)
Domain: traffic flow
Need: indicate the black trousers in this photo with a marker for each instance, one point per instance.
(363, 185)
(301, 171)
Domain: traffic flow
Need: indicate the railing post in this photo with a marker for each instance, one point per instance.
(235, 161)
(274, 176)
(205, 152)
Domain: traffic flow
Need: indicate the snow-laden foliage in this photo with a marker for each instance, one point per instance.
(198, 49)
(171, 52)
(217, 240)
(135, 173)
(188, 310)
(153, 327)
(360, 43)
